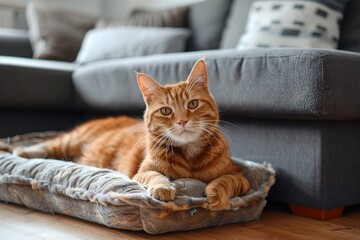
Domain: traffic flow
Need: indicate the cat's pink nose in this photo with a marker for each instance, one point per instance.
(182, 122)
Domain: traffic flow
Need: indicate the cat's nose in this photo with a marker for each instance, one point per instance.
(182, 122)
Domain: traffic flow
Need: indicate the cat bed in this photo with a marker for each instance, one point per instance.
(110, 198)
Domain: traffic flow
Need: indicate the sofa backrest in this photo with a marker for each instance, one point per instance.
(206, 21)
(235, 23)
(350, 34)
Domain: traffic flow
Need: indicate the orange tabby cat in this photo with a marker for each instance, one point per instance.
(179, 138)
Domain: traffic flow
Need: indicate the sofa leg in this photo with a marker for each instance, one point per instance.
(316, 213)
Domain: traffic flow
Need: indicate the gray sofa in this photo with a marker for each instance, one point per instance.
(297, 108)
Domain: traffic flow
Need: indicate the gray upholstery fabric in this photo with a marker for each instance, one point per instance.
(206, 21)
(14, 42)
(272, 83)
(235, 23)
(35, 84)
(112, 199)
(316, 162)
(350, 35)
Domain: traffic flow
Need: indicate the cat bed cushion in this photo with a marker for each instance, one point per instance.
(111, 198)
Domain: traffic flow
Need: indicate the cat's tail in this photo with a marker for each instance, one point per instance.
(70, 145)
(61, 147)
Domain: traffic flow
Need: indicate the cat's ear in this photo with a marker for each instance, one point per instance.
(198, 75)
(148, 85)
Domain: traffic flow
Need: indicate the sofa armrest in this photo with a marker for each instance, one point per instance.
(15, 42)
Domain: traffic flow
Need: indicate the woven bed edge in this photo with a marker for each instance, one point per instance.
(112, 199)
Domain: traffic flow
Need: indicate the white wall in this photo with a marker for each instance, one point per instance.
(12, 12)
(13, 3)
(92, 7)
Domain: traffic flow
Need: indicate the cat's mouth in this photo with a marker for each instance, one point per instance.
(184, 136)
(186, 132)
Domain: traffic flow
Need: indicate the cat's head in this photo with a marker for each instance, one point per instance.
(184, 112)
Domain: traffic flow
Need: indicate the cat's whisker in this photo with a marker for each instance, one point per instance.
(220, 143)
(166, 153)
(138, 141)
(158, 144)
(227, 122)
(161, 131)
(169, 145)
(224, 131)
(212, 150)
(216, 122)
(143, 151)
(211, 123)
(169, 140)
(172, 149)
(171, 130)
(214, 127)
(157, 138)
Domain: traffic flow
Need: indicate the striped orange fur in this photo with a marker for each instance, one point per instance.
(178, 138)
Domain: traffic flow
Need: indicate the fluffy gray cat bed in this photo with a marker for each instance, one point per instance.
(110, 198)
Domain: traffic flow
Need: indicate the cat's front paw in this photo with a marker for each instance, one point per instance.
(163, 192)
(217, 197)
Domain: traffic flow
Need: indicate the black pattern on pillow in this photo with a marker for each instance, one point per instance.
(302, 23)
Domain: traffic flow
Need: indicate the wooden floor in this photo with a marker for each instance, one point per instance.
(18, 223)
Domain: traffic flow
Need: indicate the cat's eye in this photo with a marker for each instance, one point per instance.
(165, 111)
(193, 104)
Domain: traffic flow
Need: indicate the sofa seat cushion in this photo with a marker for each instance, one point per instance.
(35, 84)
(288, 83)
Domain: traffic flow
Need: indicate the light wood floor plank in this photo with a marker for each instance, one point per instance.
(20, 223)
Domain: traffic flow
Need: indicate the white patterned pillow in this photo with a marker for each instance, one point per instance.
(293, 24)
